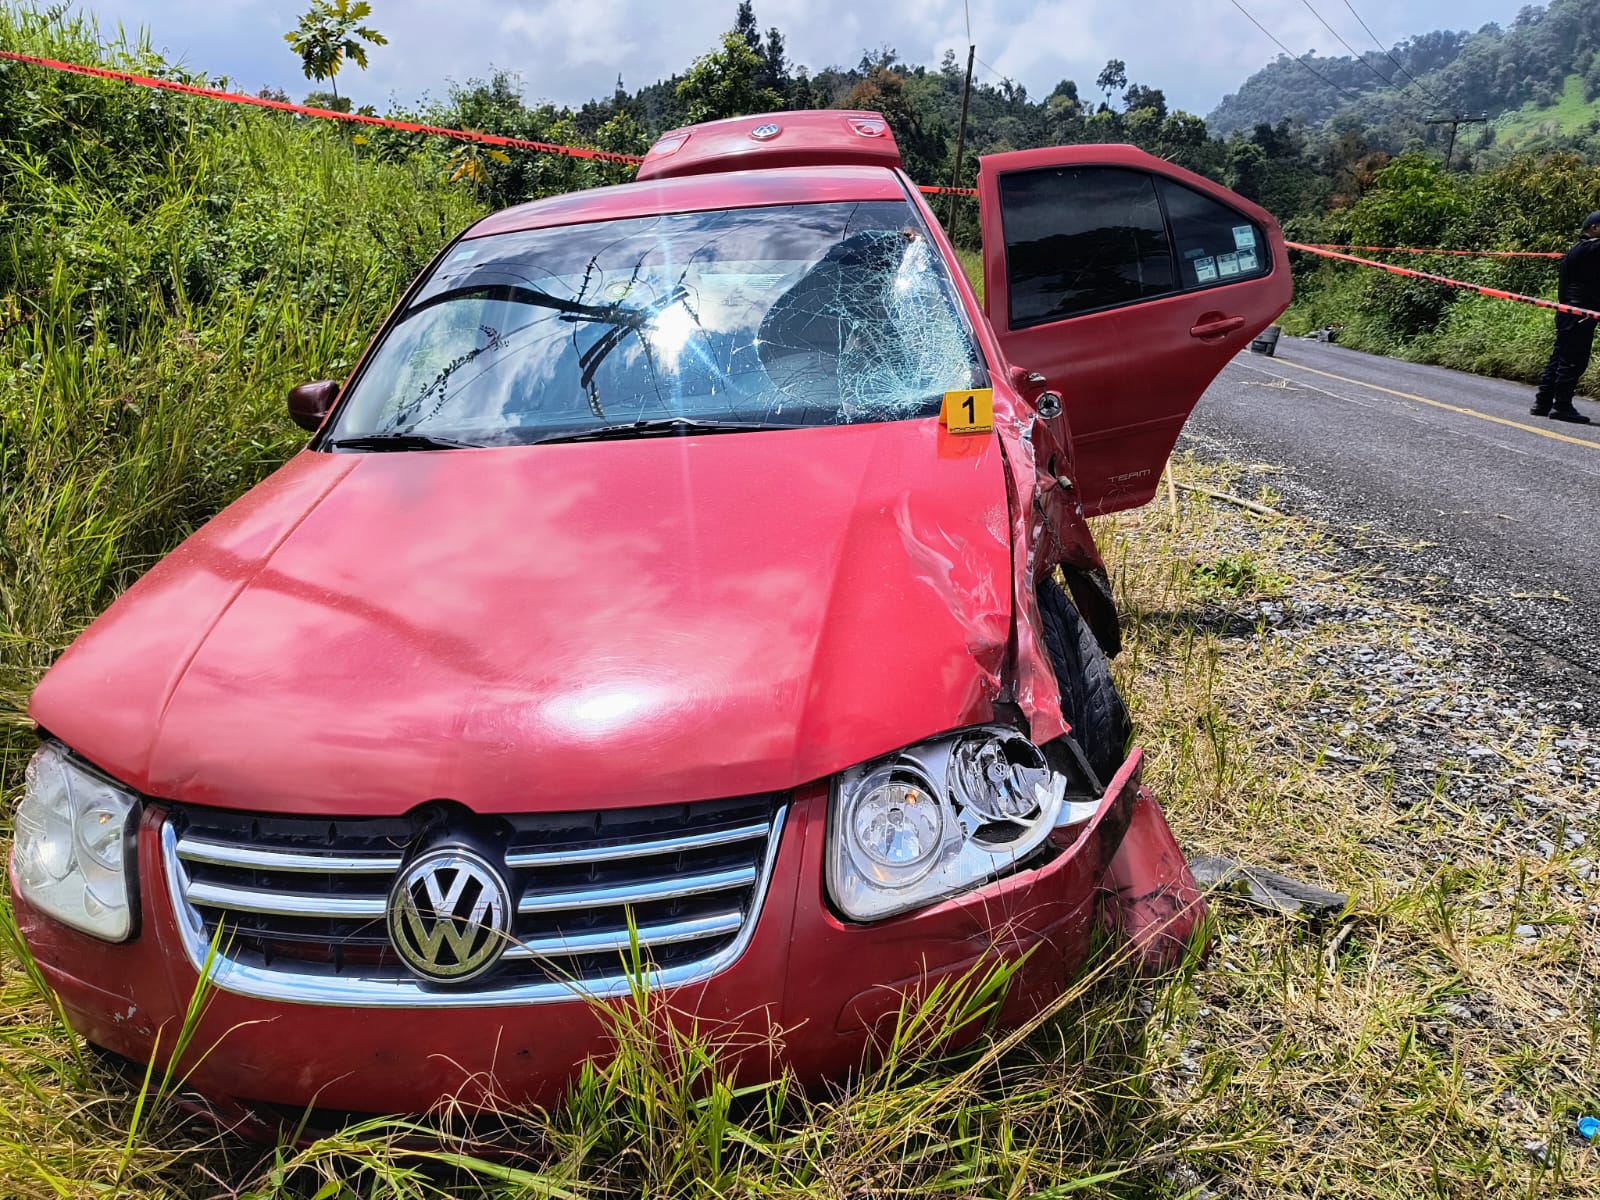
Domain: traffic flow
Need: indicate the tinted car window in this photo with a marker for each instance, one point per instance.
(1081, 238)
(1215, 244)
(811, 314)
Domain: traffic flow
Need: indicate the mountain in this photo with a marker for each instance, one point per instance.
(1391, 95)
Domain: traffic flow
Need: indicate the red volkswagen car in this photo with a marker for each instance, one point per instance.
(694, 564)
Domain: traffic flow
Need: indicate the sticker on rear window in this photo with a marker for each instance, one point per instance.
(1247, 260)
(1244, 237)
(1227, 264)
(1205, 270)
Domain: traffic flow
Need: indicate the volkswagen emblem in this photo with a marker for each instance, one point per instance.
(450, 915)
(765, 133)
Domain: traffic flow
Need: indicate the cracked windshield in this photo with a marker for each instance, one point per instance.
(815, 314)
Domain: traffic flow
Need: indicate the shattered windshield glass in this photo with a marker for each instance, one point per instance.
(811, 314)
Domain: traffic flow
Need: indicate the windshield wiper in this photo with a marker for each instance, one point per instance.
(657, 427)
(399, 441)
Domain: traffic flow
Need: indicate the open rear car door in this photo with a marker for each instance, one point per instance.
(1127, 283)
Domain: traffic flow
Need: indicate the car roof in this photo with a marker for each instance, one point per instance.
(699, 193)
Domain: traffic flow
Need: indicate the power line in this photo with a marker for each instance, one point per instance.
(996, 74)
(1426, 90)
(1347, 95)
(1359, 57)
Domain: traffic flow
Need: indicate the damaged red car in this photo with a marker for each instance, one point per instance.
(694, 561)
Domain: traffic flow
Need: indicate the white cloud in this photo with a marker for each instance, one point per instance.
(571, 50)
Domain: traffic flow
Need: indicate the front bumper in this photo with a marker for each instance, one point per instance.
(809, 992)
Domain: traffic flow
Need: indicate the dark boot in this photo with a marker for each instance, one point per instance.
(1565, 412)
(1541, 407)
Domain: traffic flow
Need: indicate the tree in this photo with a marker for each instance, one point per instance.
(1113, 79)
(924, 148)
(1138, 96)
(744, 24)
(1247, 169)
(330, 33)
(726, 83)
(775, 71)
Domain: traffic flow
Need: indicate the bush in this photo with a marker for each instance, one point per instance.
(168, 268)
(1529, 203)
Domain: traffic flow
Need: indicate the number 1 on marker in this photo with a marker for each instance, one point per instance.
(971, 411)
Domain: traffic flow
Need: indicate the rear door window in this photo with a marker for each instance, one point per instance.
(1080, 239)
(1214, 243)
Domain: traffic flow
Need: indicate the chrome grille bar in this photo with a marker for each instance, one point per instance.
(695, 876)
(619, 850)
(637, 893)
(617, 939)
(222, 854)
(286, 904)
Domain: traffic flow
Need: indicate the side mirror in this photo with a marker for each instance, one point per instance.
(1028, 385)
(310, 403)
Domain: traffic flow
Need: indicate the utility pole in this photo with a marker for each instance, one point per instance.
(1454, 122)
(961, 141)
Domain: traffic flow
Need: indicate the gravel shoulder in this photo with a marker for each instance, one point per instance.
(1461, 508)
(1320, 697)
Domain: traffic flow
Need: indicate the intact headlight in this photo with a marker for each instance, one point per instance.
(73, 833)
(937, 819)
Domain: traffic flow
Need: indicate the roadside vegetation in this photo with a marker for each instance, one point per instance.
(1527, 204)
(169, 269)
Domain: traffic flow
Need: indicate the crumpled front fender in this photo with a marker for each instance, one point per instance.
(1151, 897)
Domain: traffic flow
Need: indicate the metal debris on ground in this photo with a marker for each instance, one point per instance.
(1267, 889)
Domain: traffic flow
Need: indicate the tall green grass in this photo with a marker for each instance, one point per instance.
(168, 269)
(1467, 332)
(1529, 202)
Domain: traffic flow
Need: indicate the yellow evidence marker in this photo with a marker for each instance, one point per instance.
(971, 411)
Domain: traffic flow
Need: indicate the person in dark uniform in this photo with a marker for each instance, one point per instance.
(1580, 287)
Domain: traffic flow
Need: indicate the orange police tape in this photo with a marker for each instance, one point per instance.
(1497, 293)
(1415, 250)
(463, 135)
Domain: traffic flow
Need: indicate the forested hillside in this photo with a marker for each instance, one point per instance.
(1546, 57)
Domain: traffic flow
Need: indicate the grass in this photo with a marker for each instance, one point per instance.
(1480, 334)
(158, 302)
(1570, 115)
(1412, 1047)
(972, 266)
(166, 272)
(1416, 1047)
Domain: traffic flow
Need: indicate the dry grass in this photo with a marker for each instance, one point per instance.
(1420, 1045)
(1415, 1046)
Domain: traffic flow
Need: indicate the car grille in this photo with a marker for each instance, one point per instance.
(296, 907)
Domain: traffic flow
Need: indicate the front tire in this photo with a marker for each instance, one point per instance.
(1090, 701)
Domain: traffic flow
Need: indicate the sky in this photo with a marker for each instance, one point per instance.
(568, 51)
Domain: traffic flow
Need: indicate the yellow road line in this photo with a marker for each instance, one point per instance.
(1466, 412)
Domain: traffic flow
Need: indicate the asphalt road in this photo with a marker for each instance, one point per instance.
(1441, 483)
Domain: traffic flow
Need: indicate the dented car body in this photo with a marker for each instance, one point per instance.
(642, 587)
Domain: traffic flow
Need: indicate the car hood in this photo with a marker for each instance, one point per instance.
(535, 628)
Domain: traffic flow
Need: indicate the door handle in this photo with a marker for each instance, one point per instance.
(1215, 325)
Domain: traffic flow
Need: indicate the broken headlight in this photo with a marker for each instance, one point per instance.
(72, 846)
(937, 819)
